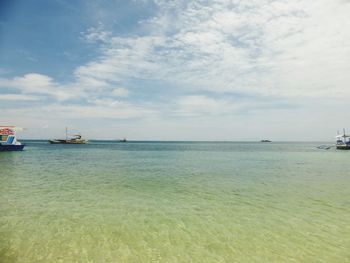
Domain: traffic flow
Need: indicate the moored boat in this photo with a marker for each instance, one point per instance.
(8, 140)
(76, 139)
(343, 141)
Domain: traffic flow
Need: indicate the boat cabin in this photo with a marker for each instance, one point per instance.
(343, 141)
(8, 141)
(7, 136)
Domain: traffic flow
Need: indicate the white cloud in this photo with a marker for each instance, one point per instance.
(96, 34)
(105, 109)
(37, 84)
(221, 106)
(120, 92)
(18, 97)
(200, 105)
(280, 48)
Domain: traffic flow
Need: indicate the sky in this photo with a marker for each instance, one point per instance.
(176, 69)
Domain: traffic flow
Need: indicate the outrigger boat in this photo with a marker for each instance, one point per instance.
(8, 141)
(76, 139)
(343, 141)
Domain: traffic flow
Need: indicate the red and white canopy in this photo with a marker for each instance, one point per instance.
(9, 130)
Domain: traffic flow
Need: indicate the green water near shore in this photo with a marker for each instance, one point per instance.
(175, 202)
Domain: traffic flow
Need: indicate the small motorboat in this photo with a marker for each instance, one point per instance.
(8, 140)
(324, 147)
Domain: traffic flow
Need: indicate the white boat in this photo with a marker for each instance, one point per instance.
(343, 141)
(8, 140)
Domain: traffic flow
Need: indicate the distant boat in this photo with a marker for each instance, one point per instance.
(324, 147)
(265, 141)
(343, 142)
(8, 140)
(123, 140)
(76, 139)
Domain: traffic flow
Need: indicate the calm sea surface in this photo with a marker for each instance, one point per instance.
(175, 202)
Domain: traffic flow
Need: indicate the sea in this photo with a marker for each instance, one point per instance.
(175, 202)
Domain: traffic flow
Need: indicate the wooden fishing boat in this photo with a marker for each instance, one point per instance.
(76, 139)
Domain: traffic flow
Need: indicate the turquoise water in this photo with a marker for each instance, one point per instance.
(175, 202)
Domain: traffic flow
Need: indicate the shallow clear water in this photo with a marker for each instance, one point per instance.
(175, 202)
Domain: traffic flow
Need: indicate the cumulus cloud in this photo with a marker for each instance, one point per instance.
(37, 84)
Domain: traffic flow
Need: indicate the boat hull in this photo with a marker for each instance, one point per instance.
(57, 141)
(343, 147)
(67, 141)
(11, 147)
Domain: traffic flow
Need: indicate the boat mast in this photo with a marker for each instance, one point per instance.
(66, 133)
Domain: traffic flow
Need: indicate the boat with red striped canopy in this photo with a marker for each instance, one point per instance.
(8, 140)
